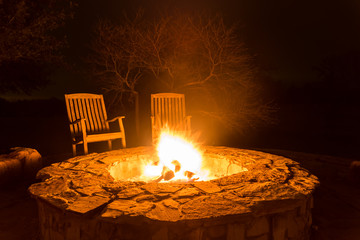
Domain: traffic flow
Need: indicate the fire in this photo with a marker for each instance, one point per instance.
(178, 160)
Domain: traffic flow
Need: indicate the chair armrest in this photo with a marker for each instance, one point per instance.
(82, 127)
(116, 118)
(77, 121)
(121, 125)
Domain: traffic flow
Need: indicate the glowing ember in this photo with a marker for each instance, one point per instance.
(178, 160)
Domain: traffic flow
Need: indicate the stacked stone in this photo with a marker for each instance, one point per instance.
(78, 199)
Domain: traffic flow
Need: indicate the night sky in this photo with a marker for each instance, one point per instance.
(288, 38)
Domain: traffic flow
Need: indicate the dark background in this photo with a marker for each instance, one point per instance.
(307, 53)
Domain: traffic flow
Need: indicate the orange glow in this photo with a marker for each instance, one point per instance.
(177, 156)
(178, 159)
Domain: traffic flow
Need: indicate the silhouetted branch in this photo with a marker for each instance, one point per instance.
(199, 55)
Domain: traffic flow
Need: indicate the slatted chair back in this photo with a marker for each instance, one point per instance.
(168, 110)
(90, 107)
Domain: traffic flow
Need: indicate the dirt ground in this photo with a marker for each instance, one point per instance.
(336, 213)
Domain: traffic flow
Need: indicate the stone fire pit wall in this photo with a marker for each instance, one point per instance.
(78, 199)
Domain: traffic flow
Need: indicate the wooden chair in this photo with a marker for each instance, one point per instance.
(88, 121)
(168, 111)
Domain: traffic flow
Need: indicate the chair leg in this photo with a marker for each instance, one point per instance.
(110, 144)
(85, 148)
(74, 149)
(123, 142)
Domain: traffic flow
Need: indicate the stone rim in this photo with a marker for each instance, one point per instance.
(79, 185)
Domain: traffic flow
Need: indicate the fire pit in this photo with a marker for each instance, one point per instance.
(254, 195)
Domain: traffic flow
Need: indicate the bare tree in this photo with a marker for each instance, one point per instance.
(200, 56)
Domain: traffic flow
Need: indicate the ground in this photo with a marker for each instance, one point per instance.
(336, 213)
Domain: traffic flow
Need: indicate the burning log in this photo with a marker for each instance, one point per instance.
(166, 174)
(177, 165)
(189, 175)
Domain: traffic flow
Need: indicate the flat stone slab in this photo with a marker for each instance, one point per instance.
(84, 185)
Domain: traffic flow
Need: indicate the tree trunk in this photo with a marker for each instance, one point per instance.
(137, 116)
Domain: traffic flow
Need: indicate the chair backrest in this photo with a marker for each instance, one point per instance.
(168, 109)
(88, 106)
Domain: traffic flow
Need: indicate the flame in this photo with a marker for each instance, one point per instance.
(179, 155)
